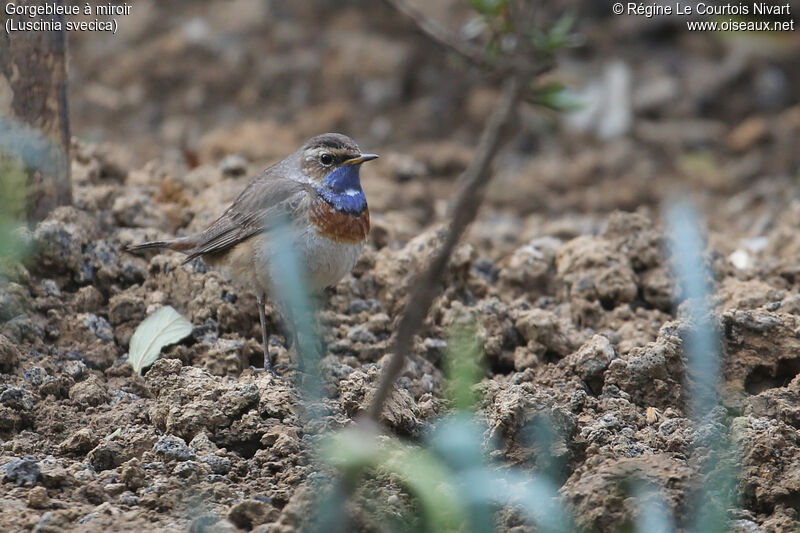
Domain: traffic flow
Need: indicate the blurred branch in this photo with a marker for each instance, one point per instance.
(463, 212)
(439, 34)
(520, 63)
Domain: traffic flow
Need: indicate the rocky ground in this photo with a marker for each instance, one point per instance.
(564, 273)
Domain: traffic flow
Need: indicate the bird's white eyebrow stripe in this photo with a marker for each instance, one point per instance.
(352, 192)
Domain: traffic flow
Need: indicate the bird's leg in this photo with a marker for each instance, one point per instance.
(262, 315)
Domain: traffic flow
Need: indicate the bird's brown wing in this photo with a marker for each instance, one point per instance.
(264, 202)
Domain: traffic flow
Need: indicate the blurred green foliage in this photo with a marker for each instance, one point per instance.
(554, 95)
(462, 364)
(717, 491)
(489, 7)
(13, 194)
(559, 35)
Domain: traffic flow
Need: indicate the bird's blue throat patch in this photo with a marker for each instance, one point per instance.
(341, 188)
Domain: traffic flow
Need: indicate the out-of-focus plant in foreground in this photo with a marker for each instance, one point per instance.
(13, 180)
(716, 494)
(448, 473)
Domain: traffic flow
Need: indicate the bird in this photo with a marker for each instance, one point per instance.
(317, 190)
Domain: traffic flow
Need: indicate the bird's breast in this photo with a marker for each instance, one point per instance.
(339, 226)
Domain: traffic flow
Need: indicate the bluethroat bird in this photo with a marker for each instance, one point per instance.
(318, 189)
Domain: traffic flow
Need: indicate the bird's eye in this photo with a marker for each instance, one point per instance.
(326, 159)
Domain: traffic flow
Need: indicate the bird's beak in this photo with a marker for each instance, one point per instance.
(363, 158)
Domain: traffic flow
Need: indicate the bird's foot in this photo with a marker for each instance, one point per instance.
(283, 368)
(277, 371)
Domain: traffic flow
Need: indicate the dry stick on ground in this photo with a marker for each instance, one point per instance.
(463, 212)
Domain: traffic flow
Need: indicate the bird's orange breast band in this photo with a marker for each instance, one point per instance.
(337, 226)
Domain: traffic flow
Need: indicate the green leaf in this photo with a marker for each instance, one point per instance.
(557, 97)
(557, 36)
(165, 326)
(489, 7)
(355, 451)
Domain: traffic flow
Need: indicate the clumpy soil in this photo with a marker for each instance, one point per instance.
(564, 274)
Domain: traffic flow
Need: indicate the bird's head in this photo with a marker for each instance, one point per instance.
(332, 161)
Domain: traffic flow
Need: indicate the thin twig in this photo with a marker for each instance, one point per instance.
(463, 212)
(522, 62)
(439, 34)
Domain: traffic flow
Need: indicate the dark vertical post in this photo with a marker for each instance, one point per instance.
(34, 121)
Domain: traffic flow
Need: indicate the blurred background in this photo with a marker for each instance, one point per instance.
(663, 107)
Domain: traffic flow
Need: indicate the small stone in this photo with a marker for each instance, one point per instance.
(250, 513)
(91, 392)
(56, 387)
(137, 210)
(99, 327)
(132, 475)
(9, 355)
(88, 299)
(207, 332)
(125, 307)
(38, 498)
(129, 499)
(21, 328)
(218, 465)
(106, 455)
(25, 471)
(357, 306)
(79, 442)
(77, 370)
(45, 524)
(201, 443)
(233, 165)
(15, 300)
(187, 469)
(17, 398)
(53, 475)
(434, 348)
(361, 334)
(35, 375)
(173, 448)
(59, 239)
(131, 273)
(113, 489)
(50, 288)
(100, 265)
(594, 357)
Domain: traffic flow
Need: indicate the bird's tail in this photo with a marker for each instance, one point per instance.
(181, 244)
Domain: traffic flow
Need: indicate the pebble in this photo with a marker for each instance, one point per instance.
(361, 334)
(35, 375)
(38, 498)
(99, 327)
(17, 398)
(233, 165)
(173, 448)
(218, 465)
(25, 471)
